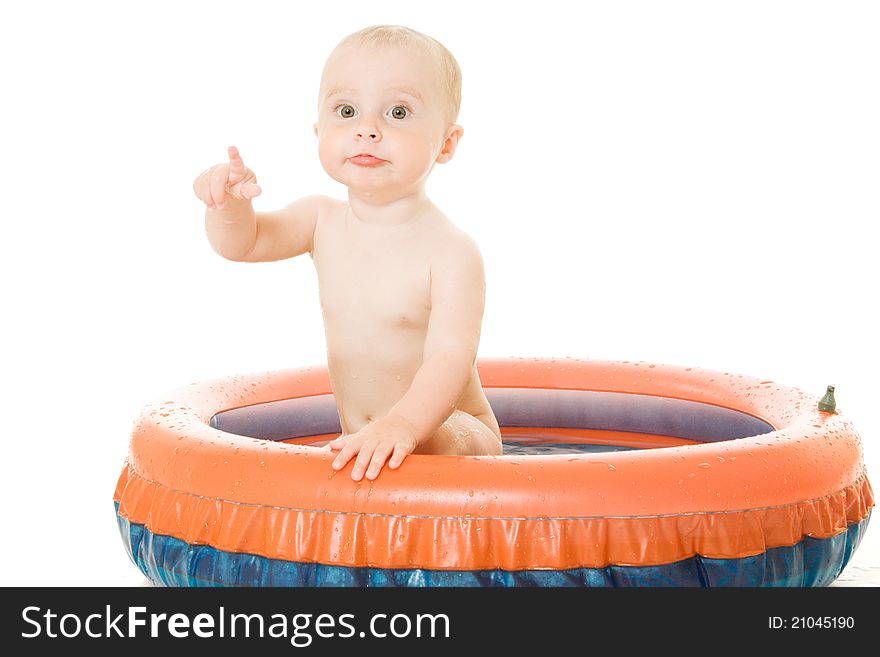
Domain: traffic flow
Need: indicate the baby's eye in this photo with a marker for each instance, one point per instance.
(399, 112)
(345, 111)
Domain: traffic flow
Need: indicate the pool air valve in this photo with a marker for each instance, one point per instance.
(827, 403)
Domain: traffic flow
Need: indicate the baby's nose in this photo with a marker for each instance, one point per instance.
(372, 135)
(367, 128)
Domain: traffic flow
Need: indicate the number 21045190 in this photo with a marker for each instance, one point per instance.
(811, 622)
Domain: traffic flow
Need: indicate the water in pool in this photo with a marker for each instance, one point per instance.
(523, 446)
(531, 445)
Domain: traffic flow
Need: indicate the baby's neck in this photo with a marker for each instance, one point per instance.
(392, 213)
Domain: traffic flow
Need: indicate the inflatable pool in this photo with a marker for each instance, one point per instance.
(614, 474)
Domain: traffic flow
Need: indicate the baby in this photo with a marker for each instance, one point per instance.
(402, 288)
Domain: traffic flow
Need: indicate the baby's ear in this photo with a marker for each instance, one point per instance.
(455, 134)
(316, 128)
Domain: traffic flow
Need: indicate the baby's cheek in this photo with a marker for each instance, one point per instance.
(323, 153)
(330, 151)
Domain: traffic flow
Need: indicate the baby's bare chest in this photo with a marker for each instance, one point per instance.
(384, 282)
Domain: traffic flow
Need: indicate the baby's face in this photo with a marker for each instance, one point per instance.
(387, 103)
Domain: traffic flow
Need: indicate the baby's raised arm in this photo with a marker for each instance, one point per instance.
(238, 233)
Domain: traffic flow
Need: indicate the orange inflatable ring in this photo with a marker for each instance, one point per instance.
(717, 479)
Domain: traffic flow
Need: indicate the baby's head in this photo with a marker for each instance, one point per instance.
(391, 92)
(443, 77)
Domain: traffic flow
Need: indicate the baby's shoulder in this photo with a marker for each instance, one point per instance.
(332, 208)
(451, 238)
(453, 248)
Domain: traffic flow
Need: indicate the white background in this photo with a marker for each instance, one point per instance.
(691, 183)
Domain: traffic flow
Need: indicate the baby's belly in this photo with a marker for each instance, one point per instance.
(371, 371)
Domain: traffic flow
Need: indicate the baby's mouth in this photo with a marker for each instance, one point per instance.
(367, 160)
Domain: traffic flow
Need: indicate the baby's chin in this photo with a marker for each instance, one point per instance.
(385, 181)
(365, 178)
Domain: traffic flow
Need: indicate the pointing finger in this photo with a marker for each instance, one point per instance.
(237, 169)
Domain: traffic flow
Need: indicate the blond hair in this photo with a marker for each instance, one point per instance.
(393, 36)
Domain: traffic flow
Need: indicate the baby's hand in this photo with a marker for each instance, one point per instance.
(222, 181)
(389, 436)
